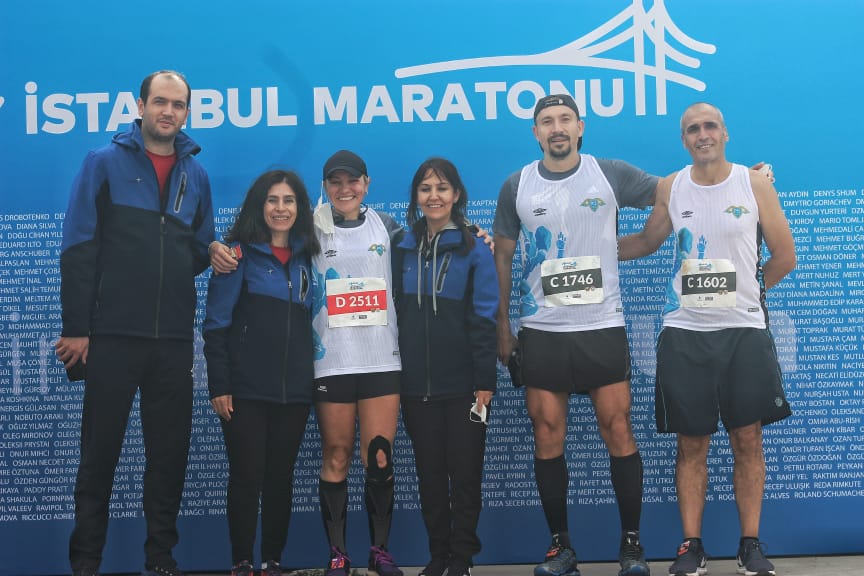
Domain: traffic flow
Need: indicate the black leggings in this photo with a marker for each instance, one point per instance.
(262, 440)
(448, 452)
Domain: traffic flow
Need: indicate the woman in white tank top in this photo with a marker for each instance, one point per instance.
(357, 364)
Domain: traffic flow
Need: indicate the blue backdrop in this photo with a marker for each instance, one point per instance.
(287, 83)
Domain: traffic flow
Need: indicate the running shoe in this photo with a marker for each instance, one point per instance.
(340, 564)
(381, 562)
(436, 567)
(752, 560)
(458, 567)
(691, 560)
(243, 568)
(271, 568)
(559, 561)
(631, 556)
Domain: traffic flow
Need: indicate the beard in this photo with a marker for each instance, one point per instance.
(560, 153)
(153, 132)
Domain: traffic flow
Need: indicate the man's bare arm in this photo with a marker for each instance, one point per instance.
(656, 229)
(775, 230)
(504, 250)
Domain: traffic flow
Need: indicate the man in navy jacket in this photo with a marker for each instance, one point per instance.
(135, 235)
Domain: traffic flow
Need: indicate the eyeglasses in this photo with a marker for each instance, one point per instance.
(478, 412)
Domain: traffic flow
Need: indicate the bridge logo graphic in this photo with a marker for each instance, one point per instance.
(636, 26)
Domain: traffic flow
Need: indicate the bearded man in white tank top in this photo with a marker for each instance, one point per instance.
(563, 211)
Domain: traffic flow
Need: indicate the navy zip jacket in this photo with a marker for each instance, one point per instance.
(447, 302)
(129, 260)
(258, 328)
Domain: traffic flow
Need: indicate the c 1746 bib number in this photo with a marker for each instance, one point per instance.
(568, 281)
(707, 283)
(356, 302)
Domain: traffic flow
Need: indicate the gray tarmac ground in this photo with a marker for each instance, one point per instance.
(797, 566)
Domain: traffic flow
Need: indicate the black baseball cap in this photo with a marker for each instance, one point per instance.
(556, 100)
(347, 161)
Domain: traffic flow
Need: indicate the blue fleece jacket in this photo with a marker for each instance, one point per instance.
(258, 328)
(129, 256)
(447, 300)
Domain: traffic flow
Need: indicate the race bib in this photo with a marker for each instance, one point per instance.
(568, 281)
(707, 283)
(356, 302)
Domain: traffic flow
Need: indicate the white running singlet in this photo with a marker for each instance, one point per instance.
(569, 249)
(717, 280)
(343, 346)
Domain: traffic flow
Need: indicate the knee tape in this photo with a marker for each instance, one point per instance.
(373, 471)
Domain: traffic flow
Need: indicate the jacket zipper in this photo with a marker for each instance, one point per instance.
(161, 270)
(162, 232)
(287, 272)
(181, 191)
(426, 329)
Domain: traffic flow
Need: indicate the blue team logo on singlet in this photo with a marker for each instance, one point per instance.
(319, 303)
(378, 249)
(683, 246)
(736, 211)
(536, 247)
(593, 203)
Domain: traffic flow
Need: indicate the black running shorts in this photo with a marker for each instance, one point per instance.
(574, 362)
(732, 374)
(349, 388)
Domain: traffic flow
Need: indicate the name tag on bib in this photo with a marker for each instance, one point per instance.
(569, 281)
(356, 302)
(707, 283)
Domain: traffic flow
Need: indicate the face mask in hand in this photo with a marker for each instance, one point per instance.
(478, 412)
(323, 215)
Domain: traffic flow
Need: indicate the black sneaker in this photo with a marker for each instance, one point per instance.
(559, 561)
(436, 567)
(162, 571)
(458, 567)
(631, 556)
(243, 568)
(752, 560)
(691, 560)
(271, 568)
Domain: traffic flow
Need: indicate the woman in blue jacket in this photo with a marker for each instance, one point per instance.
(258, 346)
(447, 297)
